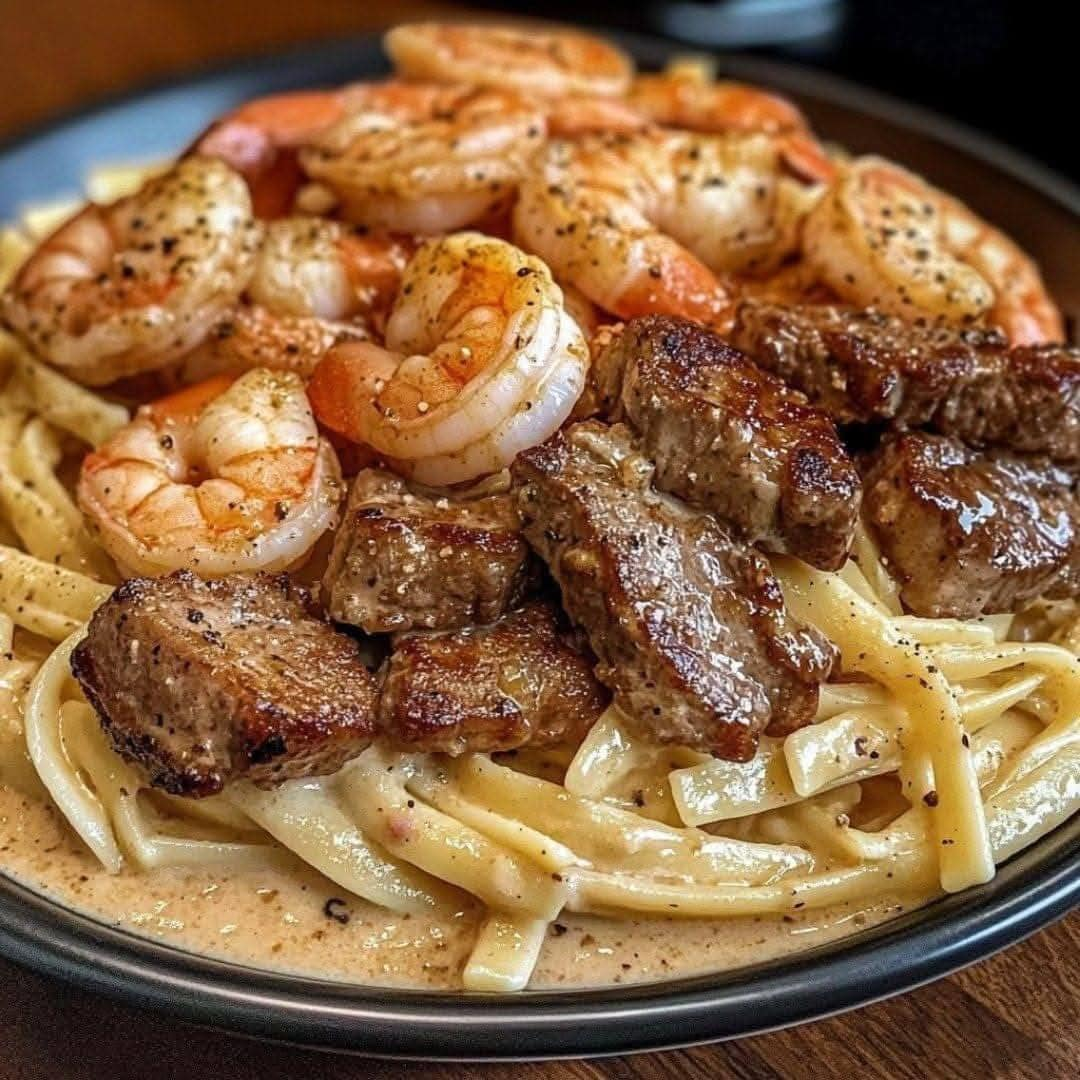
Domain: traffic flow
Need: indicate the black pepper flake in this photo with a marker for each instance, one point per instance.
(558, 929)
(930, 798)
(336, 909)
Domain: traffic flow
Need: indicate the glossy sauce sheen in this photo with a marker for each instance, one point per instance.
(281, 919)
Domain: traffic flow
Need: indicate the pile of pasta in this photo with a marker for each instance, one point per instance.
(946, 747)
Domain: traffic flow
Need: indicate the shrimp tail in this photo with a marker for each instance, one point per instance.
(337, 387)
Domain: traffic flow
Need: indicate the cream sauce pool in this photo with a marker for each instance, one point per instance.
(281, 919)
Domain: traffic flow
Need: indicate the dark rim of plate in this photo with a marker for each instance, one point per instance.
(1030, 891)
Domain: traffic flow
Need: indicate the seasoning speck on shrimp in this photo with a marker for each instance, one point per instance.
(656, 223)
(425, 158)
(481, 361)
(883, 237)
(223, 477)
(127, 288)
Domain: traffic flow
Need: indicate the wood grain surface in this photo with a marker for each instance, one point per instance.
(1014, 1015)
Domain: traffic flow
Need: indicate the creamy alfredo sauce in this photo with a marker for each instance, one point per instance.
(287, 919)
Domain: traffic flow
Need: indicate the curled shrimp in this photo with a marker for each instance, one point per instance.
(577, 78)
(646, 223)
(425, 158)
(883, 237)
(226, 476)
(536, 63)
(127, 288)
(481, 361)
(683, 98)
(259, 139)
(315, 283)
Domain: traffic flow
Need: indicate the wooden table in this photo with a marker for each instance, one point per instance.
(1014, 1015)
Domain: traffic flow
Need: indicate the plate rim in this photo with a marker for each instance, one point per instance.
(1032, 890)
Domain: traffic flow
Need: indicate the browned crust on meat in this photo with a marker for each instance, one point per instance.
(731, 438)
(203, 682)
(867, 367)
(968, 532)
(689, 624)
(405, 560)
(487, 688)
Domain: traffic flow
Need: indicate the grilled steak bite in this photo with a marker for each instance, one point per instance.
(688, 623)
(865, 367)
(205, 682)
(403, 560)
(966, 531)
(485, 688)
(731, 438)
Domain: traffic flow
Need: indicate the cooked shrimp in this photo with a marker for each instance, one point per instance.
(645, 223)
(250, 336)
(481, 361)
(259, 140)
(536, 63)
(420, 158)
(221, 477)
(316, 283)
(684, 99)
(570, 117)
(129, 287)
(883, 237)
(317, 267)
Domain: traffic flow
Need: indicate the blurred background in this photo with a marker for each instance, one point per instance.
(998, 66)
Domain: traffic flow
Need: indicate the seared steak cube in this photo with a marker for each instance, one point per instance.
(688, 623)
(967, 531)
(731, 438)
(866, 367)
(485, 688)
(204, 682)
(404, 560)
